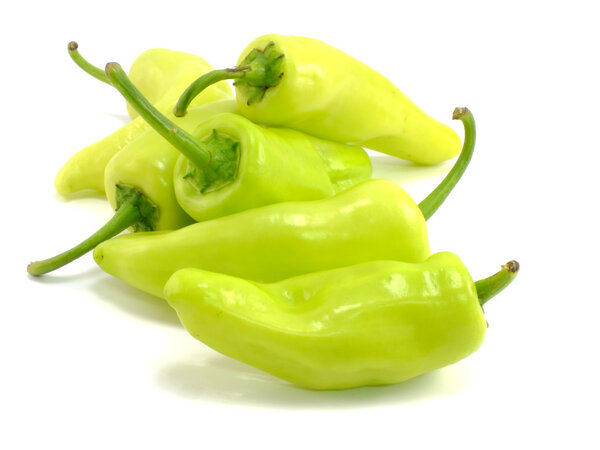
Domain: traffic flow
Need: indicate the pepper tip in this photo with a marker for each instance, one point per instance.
(98, 254)
(73, 46)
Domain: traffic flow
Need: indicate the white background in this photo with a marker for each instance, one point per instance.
(88, 362)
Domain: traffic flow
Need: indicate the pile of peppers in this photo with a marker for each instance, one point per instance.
(256, 218)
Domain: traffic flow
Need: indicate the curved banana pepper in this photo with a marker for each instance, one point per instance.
(251, 165)
(307, 85)
(162, 75)
(373, 220)
(375, 323)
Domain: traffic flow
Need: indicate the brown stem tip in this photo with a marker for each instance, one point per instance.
(72, 46)
(459, 112)
(512, 266)
(111, 66)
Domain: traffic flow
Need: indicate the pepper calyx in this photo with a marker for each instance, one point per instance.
(263, 70)
(148, 211)
(223, 165)
(133, 210)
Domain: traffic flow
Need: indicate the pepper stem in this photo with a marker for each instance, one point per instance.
(260, 70)
(94, 71)
(133, 210)
(187, 144)
(491, 286)
(127, 215)
(209, 78)
(435, 199)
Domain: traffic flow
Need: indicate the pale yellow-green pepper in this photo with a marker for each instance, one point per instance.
(307, 85)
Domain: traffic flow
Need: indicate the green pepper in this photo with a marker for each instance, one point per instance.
(380, 322)
(149, 164)
(162, 75)
(373, 220)
(272, 166)
(307, 85)
(229, 175)
(251, 165)
(139, 186)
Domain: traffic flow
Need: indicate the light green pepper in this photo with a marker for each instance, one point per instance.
(307, 85)
(149, 164)
(375, 323)
(273, 165)
(251, 165)
(374, 220)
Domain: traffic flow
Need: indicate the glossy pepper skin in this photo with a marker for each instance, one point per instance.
(273, 165)
(375, 323)
(148, 163)
(373, 220)
(162, 74)
(307, 85)
(230, 164)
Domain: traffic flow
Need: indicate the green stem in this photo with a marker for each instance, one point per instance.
(434, 200)
(202, 83)
(94, 71)
(127, 215)
(492, 286)
(259, 71)
(176, 136)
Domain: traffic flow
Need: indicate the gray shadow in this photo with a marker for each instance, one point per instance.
(224, 380)
(124, 118)
(134, 301)
(401, 171)
(117, 293)
(58, 278)
(85, 194)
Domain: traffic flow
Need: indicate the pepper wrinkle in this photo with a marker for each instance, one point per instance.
(337, 329)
